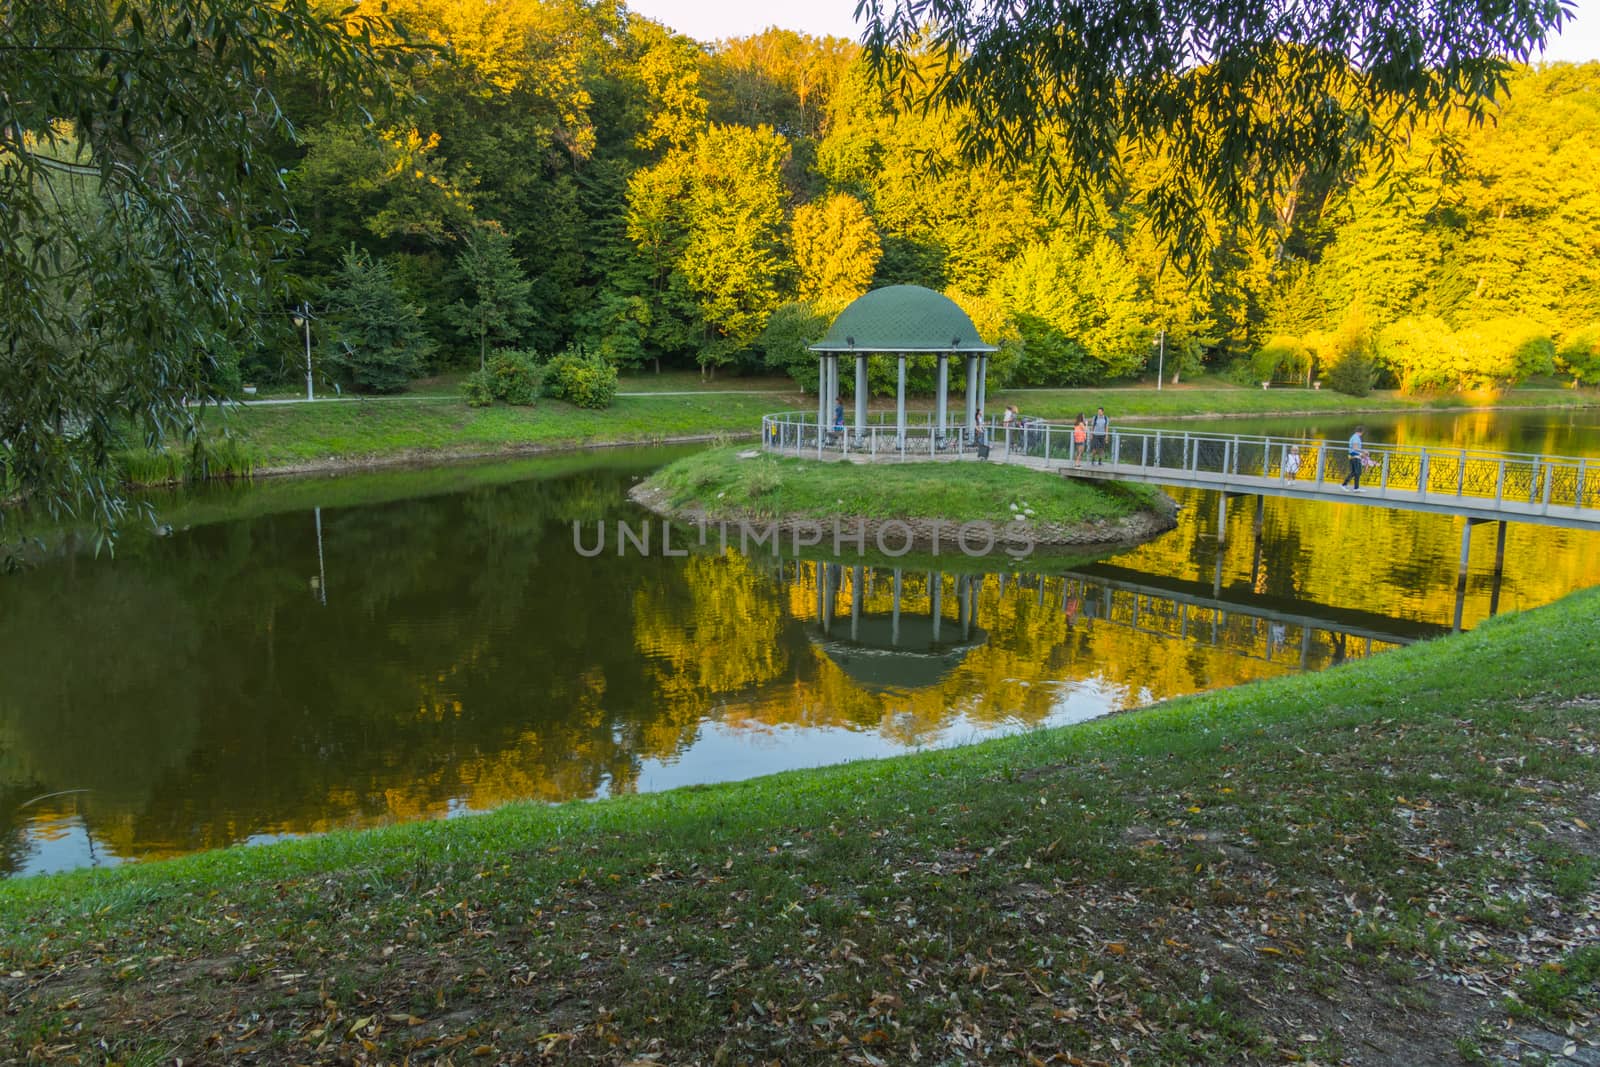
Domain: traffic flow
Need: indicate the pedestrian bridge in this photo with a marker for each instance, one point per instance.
(1477, 485)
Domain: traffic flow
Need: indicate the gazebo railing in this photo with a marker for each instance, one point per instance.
(796, 433)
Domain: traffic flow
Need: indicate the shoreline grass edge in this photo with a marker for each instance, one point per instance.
(1315, 864)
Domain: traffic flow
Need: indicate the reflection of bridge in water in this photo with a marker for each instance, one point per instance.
(1190, 610)
(932, 621)
(1474, 485)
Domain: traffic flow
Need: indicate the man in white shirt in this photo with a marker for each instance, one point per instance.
(1356, 455)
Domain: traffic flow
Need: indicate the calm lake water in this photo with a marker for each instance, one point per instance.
(300, 656)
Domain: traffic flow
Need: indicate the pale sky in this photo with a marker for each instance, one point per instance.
(708, 20)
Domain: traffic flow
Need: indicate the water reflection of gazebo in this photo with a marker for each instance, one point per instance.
(895, 649)
(902, 321)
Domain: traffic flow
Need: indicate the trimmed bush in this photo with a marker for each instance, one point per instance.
(517, 378)
(478, 389)
(583, 380)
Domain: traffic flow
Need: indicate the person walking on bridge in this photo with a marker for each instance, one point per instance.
(1352, 480)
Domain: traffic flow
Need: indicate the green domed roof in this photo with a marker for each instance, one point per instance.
(902, 318)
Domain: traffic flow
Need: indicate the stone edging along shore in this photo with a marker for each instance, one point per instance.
(924, 533)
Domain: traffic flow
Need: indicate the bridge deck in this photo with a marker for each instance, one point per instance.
(1475, 485)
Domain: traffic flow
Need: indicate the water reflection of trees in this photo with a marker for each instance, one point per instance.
(467, 656)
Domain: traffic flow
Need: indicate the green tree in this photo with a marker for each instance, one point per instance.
(140, 204)
(499, 308)
(836, 249)
(708, 218)
(374, 336)
(1237, 115)
(1422, 353)
(1579, 356)
(784, 340)
(1387, 243)
(1077, 297)
(668, 70)
(1524, 239)
(1505, 351)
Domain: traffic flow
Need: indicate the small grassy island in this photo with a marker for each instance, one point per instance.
(741, 484)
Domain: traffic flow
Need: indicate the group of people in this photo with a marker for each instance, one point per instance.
(1091, 440)
(1357, 458)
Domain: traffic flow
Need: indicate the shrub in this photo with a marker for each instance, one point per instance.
(478, 389)
(584, 380)
(1352, 374)
(1282, 357)
(516, 377)
(1241, 372)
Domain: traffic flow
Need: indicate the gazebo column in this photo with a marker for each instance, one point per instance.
(822, 398)
(983, 383)
(900, 406)
(861, 398)
(972, 396)
(944, 394)
(833, 385)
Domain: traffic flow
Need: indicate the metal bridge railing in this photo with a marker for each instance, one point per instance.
(1539, 480)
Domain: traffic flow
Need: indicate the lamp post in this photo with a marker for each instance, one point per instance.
(1161, 357)
(302, 317)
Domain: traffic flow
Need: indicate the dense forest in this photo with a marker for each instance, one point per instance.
(566, 176)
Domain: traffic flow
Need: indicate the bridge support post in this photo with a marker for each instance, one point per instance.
(1461, 573)
(1499, 568)
(1222, 518)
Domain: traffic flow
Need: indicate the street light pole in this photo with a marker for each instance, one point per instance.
(1161, 358)
(303, 318)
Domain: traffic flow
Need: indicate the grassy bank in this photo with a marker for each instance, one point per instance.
(721, 484)
(261, 438)
(1212, 400)
(431, 427)
(1392, 862)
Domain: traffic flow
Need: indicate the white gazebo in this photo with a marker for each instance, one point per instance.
(902, 321)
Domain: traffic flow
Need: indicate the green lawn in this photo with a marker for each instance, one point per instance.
(299, 435)
(719, 483)
(1390, 861)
